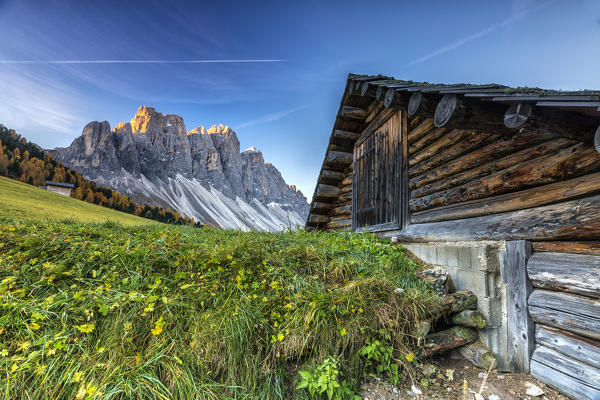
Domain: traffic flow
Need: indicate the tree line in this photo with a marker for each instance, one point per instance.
(27, 162)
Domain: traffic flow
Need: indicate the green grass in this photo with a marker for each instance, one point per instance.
(18, 199)
(171, 312)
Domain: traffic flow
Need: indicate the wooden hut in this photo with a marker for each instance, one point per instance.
(499, 185)
(59, 187)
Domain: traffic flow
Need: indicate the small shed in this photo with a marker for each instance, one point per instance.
(500, 186)
(59, 187)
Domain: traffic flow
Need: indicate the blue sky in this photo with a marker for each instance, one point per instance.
(284, 108)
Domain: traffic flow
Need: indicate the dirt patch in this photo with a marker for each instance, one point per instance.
(504, 385)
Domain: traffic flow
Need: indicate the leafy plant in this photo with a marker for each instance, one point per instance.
(379, 357)
(324, 380)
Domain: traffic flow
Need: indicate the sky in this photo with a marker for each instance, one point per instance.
(272, 70)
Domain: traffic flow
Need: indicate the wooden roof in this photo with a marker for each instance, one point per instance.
(369, 99)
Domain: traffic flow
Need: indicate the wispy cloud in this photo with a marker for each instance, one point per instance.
(138, 61)
(480, 34)
(271, 117)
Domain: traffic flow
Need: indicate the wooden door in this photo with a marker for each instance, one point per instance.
(377, 192)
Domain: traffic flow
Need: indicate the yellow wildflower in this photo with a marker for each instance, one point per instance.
(34, 326)
(158, 327)
(77, 377)
(280, 336)
(85, 328)
(343, 332)
(410, 357)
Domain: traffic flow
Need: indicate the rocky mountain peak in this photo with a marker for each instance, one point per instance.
(154, 150)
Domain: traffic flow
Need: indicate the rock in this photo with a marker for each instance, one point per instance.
(438, 278)
(428, 369)
(200, 173)
(494, 397)
(481, 375)
(416, 390)
(533, 390)
(478, 355)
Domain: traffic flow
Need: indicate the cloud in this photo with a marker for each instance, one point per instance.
(271, 117)
(137, 61)
(480, 34)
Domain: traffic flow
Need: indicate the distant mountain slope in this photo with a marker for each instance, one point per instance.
(20, 200)
(200, 173)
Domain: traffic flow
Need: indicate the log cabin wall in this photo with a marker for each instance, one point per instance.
(565, 307)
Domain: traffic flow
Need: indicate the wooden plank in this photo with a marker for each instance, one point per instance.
(354, 112)
(577, 347)
(327, 191)
(489, 153)
(562, 382)
(381, 118)
(345, 135)
(520, 327)
(592, 248)
(585, 373)
(439, 145)
(581, 314)
(569, 162)
(469, 144)
(570, 220)
(573, 273)
(338, 158)
(537, 196)
(318, 218)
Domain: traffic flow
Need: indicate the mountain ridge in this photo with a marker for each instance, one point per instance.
(201, 173)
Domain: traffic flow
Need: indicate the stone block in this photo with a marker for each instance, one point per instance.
(475, 281)
(429, 254)
(464, 257)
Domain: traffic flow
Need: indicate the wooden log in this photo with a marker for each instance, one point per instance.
(424, 105)
(592, 248)
(562, 382)
(338, 224)
(517, 114)
(327, 191)
(414, 121)
(490, 153)
(537, 196)
(345, 197)
(379, 92)
(346, 189)
(478, 355)
(420, 130)
(449, 339)
(374, 113)
(319, 207)
(395, 99)
(354, 112)
(318, 219)
(331, 175)
(570, 162)
(468, 144)
(345, 135)
(519, 325)
(367, 89)
(458, 112)
(426, 140)
(587, 374)
(346, 181)
(569, 124)
(438, 146)
(414, 103)
(338, 217)
(573, 273)
(577, 324)
(469, 319)
(577, 347)
(458, 301)
(570, 220)
(597, 140)
(342, 210)
(338, 158)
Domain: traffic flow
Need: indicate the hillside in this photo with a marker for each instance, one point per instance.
(18, 199)
(175, 312)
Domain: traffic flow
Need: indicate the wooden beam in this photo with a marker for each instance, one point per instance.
(354, 112)
(486, 161)
(424, 105)
(571, 220)
(345, 135)
(426, 140)
(436, 147)
(318, 218)
(537, 196)
(573, 273)
(517, 114)
(520, 328)
(575, 388)
(580, 348)
(449, 339)
(396, 99)
(338, 157)
(577, 371)
(577, 314)
(327, 191)
(454, 111)
(592, 248)
(331, 175)
(597, 138)
(420, 130)
(569, 162)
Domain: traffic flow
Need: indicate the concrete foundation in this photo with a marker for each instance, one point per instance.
(475, 266)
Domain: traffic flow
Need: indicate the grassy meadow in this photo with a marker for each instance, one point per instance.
(18, 199)
(108, 311)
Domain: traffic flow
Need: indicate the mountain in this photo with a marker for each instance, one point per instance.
(200, 173)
